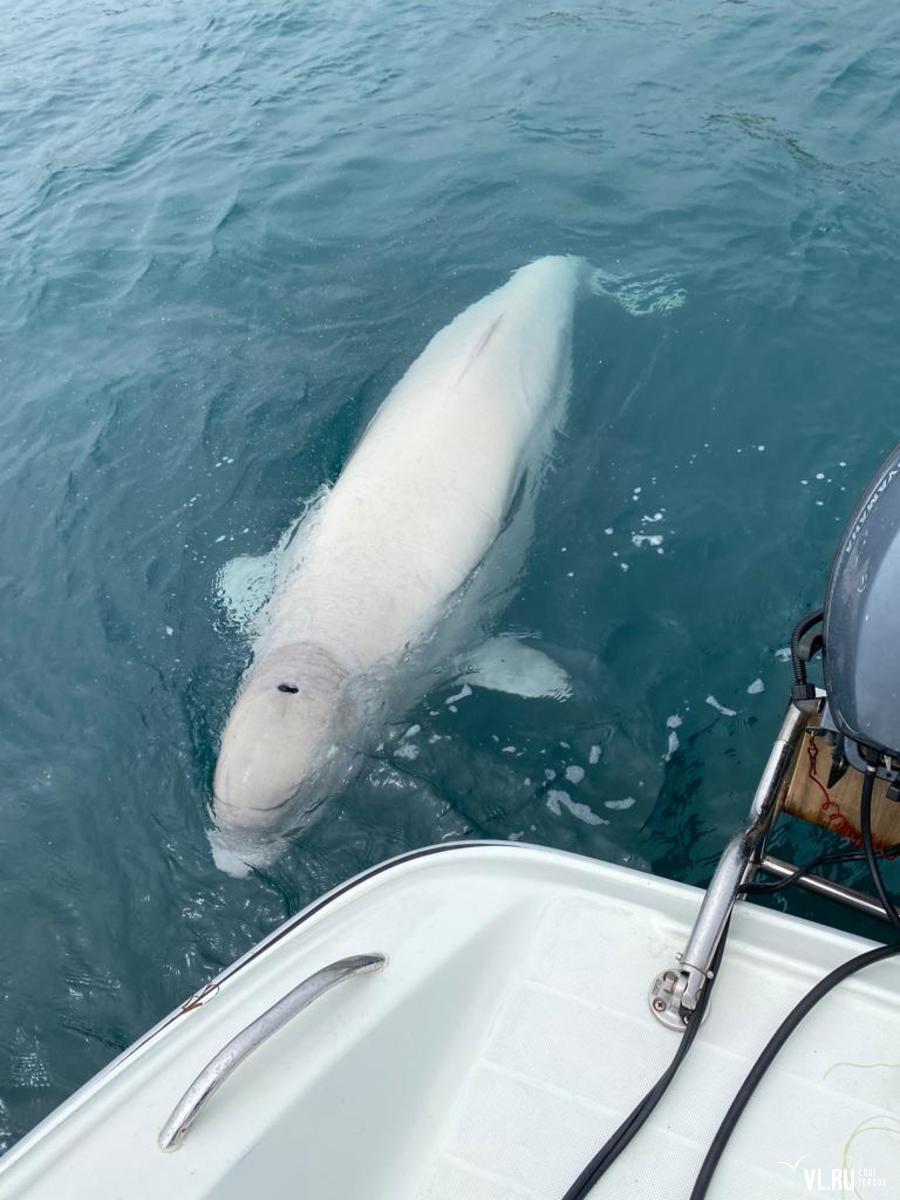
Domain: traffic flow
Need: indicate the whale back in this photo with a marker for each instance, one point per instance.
(429, 486)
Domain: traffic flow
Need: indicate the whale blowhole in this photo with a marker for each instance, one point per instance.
(290, 688)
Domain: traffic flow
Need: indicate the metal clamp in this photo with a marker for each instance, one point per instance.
(675, 992)
(233, 1054)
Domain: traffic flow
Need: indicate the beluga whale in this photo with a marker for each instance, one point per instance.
(390, 583)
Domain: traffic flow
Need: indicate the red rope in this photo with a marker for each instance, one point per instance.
(834, 817)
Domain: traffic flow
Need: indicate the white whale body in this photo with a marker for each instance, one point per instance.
(393, 576)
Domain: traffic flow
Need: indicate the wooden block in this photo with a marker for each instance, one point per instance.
(808, 797)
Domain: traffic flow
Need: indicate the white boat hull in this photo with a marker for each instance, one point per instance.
(506, 1037)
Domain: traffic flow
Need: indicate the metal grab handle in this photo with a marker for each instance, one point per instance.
(233, 1054)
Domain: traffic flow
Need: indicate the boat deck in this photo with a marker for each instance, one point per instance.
(505, 1039)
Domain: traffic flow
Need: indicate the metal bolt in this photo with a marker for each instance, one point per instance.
(659, 1005)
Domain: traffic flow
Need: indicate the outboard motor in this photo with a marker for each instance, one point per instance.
(860, 636)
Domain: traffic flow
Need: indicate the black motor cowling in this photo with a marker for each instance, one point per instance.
(862, 619)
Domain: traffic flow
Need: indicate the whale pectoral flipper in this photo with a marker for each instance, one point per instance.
(506, 664)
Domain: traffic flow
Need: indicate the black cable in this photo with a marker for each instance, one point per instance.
(617, 1142)
(800, 630)
(865, 824)
(830, 859)
(623, 1135)
(781, 1035)
(812, 997)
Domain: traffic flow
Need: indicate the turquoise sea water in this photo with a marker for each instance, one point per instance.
(225, 231)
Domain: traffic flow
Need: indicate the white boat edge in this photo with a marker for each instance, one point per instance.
(524, 938)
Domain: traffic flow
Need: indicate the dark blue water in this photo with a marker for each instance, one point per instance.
(225, 231)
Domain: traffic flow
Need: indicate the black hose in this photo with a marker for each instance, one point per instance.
(781, 1035)
(800, 630)
(865, 825)
(812, 997)
(617, 1142)
(620, 1139)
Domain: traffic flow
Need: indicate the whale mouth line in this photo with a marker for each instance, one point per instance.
(272, 808)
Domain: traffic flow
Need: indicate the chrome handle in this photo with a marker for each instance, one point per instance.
(233, 1054)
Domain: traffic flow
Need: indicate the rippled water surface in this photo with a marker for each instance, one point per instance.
(225, 230)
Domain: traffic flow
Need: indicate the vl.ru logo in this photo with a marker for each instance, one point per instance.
(842, 1181)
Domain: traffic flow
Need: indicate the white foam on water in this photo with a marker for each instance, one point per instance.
(594, 755)
(646, 539)
(756, 687)
(640, 297)
(407, 750)
(726, 712)
(575, 774)
(557, 800)
(464, 692)
(244, 585)
(784, 654)
(28, 1067)
(620, 804)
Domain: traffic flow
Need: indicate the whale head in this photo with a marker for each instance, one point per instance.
(278, 744)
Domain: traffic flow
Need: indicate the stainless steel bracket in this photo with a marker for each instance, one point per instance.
(850, 897)
(674, 993)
